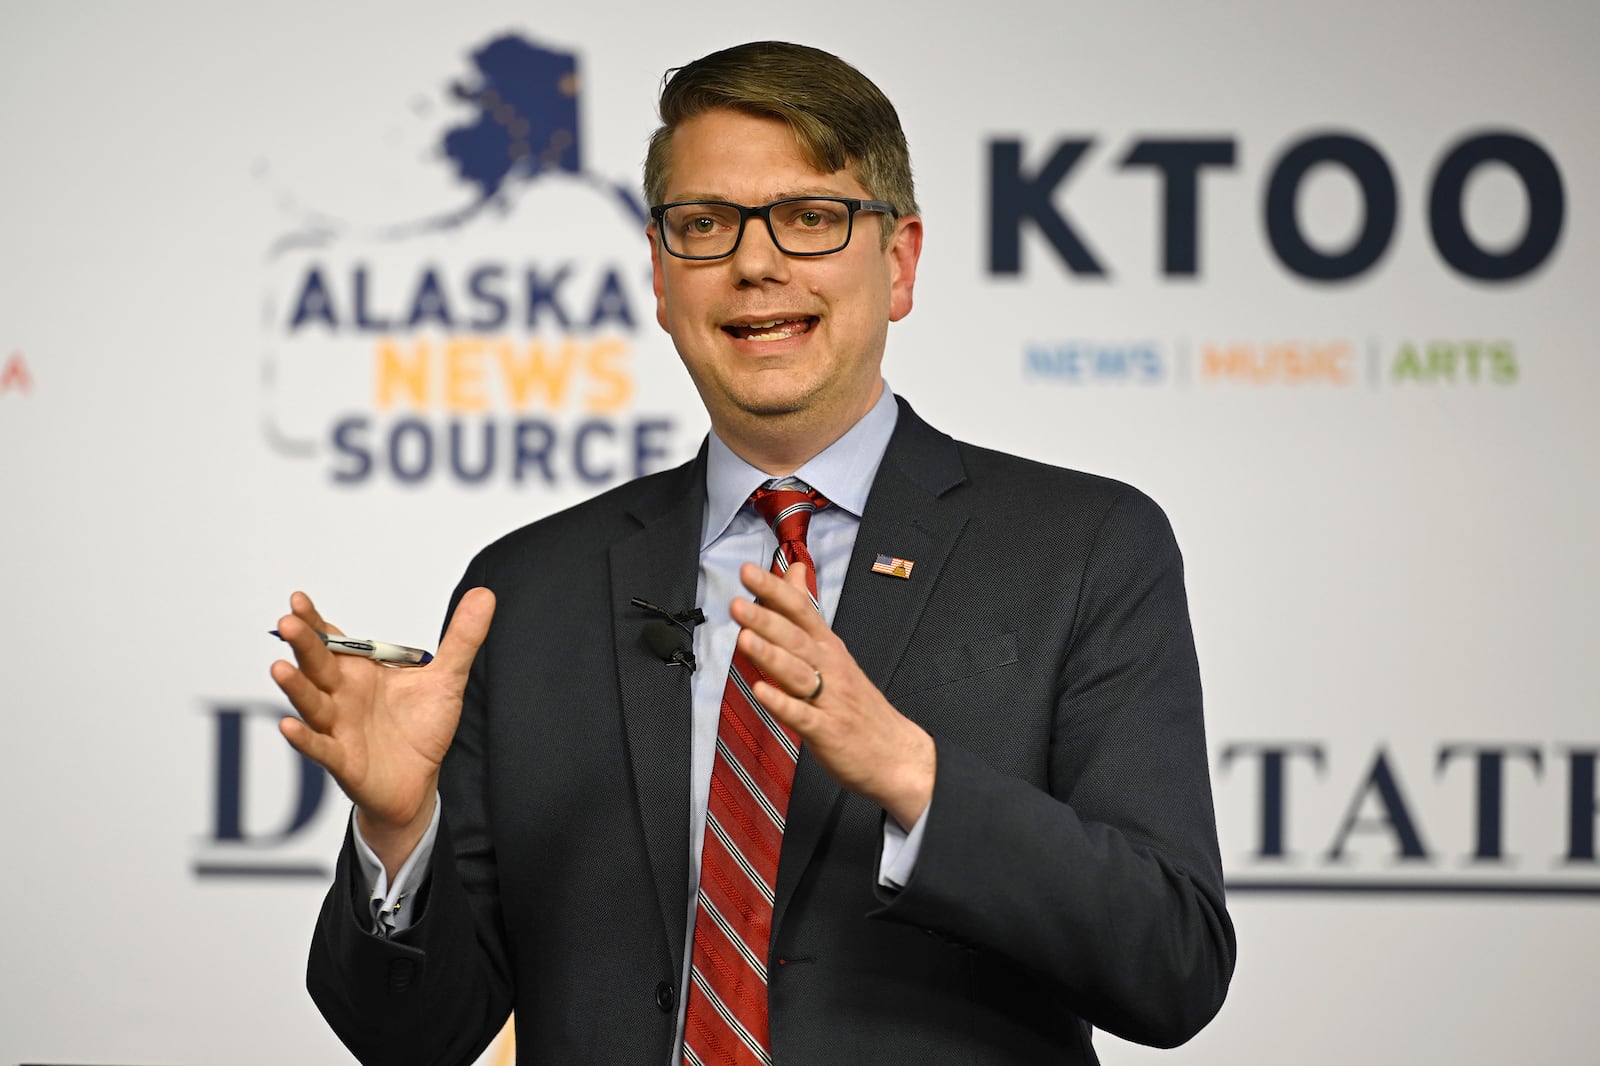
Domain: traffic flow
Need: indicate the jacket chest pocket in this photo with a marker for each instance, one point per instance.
(928, 669)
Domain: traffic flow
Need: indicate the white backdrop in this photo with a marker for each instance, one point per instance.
(1384, 485)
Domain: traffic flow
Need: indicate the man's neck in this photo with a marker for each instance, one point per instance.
(779, 445)
(778, 456)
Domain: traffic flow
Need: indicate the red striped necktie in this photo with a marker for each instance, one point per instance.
(751, 778)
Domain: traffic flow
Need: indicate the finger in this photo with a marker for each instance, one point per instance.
(313, 745)
(786, 666)
(793, 712)
(302, 607)
(315, 660)
(764, 584)
(772, 628)
(796, 575)
(468, 627)
(310, 701)
(788, 595)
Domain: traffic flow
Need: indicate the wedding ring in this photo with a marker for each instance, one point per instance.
(818, 690)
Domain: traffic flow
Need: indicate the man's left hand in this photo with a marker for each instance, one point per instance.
(859, 738)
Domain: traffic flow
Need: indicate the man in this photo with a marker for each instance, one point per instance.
(948, 804)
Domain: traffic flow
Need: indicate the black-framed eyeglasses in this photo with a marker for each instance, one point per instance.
(800, 225)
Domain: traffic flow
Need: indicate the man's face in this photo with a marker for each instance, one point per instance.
(778, 345)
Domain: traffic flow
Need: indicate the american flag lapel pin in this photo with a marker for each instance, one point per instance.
(888, 564)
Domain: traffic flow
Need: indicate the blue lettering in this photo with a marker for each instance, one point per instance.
(538, 453)
(1491, 789)
(485, 466)
(1583, 805)
(647, 452)
(364, 320)
(1380, 202)
(489, 298)
(229, 825)
(421, 461)
(344, 441)
(1111, 363)
(580, 442)
(472, 451)
(1396, 817)
(429, 303)
(543, 294)
(478, 303)
(1016, 197)
(611, 304)
(1053, 362)
(313, 302)
(1085, 362)
(1149, 363)
(1180, 163)
(1541, 181)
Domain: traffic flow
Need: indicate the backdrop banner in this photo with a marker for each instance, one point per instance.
(326, 297)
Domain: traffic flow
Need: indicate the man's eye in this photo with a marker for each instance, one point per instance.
(703, 225)
(811, 218)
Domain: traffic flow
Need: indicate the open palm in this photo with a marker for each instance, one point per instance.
(381, 731)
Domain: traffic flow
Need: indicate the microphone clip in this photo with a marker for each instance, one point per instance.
(661, 640)
(684, 620)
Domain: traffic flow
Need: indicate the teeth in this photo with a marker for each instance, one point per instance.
(776, 330)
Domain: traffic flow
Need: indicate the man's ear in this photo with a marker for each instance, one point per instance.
(658, 281)
(905, 249)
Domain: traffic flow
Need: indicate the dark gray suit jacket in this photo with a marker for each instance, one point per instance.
(1068, 877)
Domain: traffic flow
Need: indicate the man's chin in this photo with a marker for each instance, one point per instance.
(773, 408)
(774, 403)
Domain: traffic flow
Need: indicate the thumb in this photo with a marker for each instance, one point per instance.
(464, 635)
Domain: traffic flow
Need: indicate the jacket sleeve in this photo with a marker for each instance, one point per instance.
(1103, 877)
(440, 991)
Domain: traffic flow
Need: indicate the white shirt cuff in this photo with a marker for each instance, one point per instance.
(389, 913)
(900, 849)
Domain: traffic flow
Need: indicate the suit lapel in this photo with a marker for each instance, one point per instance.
(904, 518)
(660, 563)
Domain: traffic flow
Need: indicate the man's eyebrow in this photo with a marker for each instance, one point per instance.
(802, 193)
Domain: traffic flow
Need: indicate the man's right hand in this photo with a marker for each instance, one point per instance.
(381, 731)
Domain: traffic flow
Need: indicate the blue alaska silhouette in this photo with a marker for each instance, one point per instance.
(527, 123)
(526, 128)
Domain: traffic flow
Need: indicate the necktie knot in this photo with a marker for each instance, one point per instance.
(788, 511)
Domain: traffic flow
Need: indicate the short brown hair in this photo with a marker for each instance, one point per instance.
(840, 119)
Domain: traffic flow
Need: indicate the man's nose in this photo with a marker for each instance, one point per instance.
(758, 258)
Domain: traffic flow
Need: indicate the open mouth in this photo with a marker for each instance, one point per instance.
(776, 330)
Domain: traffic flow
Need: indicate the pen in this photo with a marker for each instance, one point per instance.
(376, 650)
